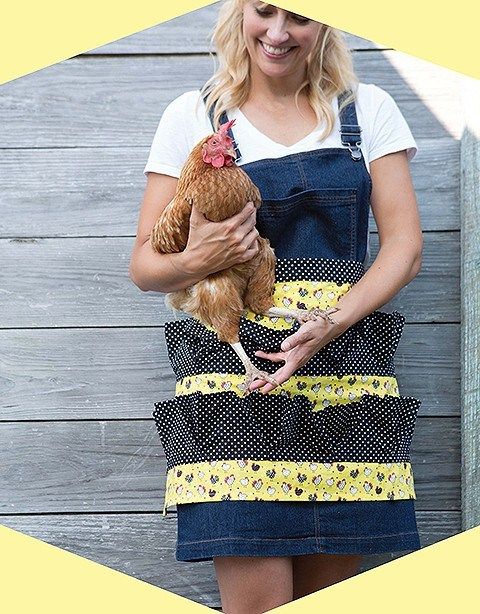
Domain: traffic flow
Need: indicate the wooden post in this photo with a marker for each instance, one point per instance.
(470, 302)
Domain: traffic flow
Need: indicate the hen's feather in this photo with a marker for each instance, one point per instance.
(170, 233)
(221, 193)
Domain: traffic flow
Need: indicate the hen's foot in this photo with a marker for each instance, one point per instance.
(251, 371)
(303, 315)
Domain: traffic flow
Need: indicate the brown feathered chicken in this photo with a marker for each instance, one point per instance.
(219, 188)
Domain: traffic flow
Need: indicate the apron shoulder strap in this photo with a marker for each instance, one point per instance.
(349, 128)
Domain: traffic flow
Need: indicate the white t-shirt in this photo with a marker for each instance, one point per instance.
(181, 127)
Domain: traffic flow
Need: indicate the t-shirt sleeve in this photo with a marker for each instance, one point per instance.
(170, 148)
(390, 131)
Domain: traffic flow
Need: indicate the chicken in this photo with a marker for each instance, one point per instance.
(219, 188)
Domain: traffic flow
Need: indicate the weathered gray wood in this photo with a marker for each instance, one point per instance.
(435, 291)
(90, 373)
(84, 282)
(112, 101)
(100, 466)
(64, 374)
(470, 283)
(188, 33)
(97, 191)
(143, 546)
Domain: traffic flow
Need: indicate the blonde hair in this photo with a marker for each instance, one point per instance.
(329, 69)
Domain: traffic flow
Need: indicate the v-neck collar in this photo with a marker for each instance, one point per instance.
(276, 143)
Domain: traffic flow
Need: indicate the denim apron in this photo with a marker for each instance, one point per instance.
(315, 204)
(327, 456)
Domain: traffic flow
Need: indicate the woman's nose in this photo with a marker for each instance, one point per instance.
(277, 32)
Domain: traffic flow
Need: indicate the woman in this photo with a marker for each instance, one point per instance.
(285, 78)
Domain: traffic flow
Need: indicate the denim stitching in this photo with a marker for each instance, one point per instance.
(353, 230)
(316, 520)
(274, 539)
(302, 174)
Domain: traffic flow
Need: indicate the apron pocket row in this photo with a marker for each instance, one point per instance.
(200, 427)
(372, 429)
(367, 347)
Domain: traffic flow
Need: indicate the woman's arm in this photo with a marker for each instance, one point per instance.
(148, 269)
(399, 258)
(398, 261)
(211, 246)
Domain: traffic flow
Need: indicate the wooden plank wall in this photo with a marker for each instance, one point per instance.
(82, 355)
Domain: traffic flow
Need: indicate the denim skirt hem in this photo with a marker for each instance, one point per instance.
(282, 528)
(205, 551)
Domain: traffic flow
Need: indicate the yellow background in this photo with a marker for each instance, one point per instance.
(34, 35)
(39, 577)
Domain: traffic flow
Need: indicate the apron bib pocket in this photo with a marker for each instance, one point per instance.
(313, 223)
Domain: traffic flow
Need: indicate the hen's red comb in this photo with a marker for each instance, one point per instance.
(224, 128)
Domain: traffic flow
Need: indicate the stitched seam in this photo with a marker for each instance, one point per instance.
(302, 174)
(353, 233)
(316, 521)
(273, 539)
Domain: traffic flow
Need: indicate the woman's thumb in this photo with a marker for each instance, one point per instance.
(196, 214)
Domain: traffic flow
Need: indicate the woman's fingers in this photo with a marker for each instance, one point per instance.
(303, 335)
(256, 384)
(281, 376)
(273, 356)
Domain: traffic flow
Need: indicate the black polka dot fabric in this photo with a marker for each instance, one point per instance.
(198, 427)
(344, 426)
(319, 269)
(367, 347)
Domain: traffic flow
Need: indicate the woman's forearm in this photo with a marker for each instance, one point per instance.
(151, 271)
(396, 264)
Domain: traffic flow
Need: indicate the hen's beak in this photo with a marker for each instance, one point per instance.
(231, 152)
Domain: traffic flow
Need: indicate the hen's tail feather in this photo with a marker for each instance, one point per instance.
(216, 301)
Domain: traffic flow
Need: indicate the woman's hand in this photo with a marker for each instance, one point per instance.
(213, 246)
(297, 349)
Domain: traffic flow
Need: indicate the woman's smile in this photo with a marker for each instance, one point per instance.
(278, 41)
(276, 52)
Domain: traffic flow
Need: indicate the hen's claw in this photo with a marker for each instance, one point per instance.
(302, 315)
(305, 315)
(252, 373)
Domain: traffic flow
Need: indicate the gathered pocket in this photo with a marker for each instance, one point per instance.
(200, 427)
(175, 429)
(191, 346)
(371, 342)
(381, 332)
